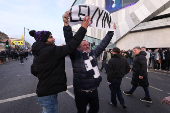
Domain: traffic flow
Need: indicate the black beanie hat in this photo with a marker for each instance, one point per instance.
(40, 36)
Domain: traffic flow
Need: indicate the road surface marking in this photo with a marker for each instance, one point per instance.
(17, 98)
(70, 86)
(24, 96)
(155, 88)
(128, 78)
(149, 86)
(69, 93)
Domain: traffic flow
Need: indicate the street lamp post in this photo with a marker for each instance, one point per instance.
(24, 35)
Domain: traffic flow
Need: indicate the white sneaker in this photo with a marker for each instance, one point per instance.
(155, 69)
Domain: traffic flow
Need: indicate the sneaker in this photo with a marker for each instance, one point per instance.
(124, 106)
(112, 104)
(155, 69)
(148, 100)
(127, 93)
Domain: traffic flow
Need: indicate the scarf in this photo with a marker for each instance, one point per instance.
(90, 65)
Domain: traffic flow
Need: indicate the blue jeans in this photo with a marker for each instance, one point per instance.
(49, 103)
(22, 60)
(147, 95)
(115, 90)
(129, 61)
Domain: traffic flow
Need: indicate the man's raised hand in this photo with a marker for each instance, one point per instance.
(65, 18)
(86, 22)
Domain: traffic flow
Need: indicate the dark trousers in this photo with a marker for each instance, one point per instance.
(83, 98)
(22, 60)
(106, 67)
(167, 63)
(147, 95)
(156, 64)
(163, 65)
(103, 65)
(116, 91)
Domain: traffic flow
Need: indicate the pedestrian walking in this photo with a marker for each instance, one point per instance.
(140, 75)
(117, 68)
(21, 55)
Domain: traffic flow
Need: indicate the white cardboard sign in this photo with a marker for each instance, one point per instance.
(100, 18)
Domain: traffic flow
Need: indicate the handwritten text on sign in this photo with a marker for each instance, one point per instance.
(100, 17)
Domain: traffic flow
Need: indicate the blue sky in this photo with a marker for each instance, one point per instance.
(34, 15)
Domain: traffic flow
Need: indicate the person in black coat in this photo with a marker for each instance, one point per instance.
(117, 68)
(49, 64)
(140, 75)
(21, 55)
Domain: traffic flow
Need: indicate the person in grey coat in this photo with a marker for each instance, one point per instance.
(86, 76)
(157, 56)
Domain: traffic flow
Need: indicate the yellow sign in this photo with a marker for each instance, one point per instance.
(17, 42)
(22, 37)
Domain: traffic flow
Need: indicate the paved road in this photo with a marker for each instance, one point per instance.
(18, 85)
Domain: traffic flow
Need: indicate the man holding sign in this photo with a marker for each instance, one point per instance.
(49, 65)
(86, 74)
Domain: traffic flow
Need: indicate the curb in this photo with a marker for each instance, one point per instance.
(160, 71)
(5, 62)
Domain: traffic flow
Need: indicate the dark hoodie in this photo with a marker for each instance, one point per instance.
(49, 64)
(117, 67)
(140, 69)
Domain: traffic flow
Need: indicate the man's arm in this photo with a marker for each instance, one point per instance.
(106, 40)
(143, 64)
(75, 41)
(68, 34)
(104, 43)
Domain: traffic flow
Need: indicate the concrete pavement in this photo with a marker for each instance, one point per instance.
(18, 86)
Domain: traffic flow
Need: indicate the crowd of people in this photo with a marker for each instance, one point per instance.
(49, 67)
(157, 59)
(16, 55)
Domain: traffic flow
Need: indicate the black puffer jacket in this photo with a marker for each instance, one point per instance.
(117, 67)
(140, 69)
(80, 79)
(49, 64)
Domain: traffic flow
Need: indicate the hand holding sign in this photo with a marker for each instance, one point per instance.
(65, 18)
(86, 22)
(114, 26)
